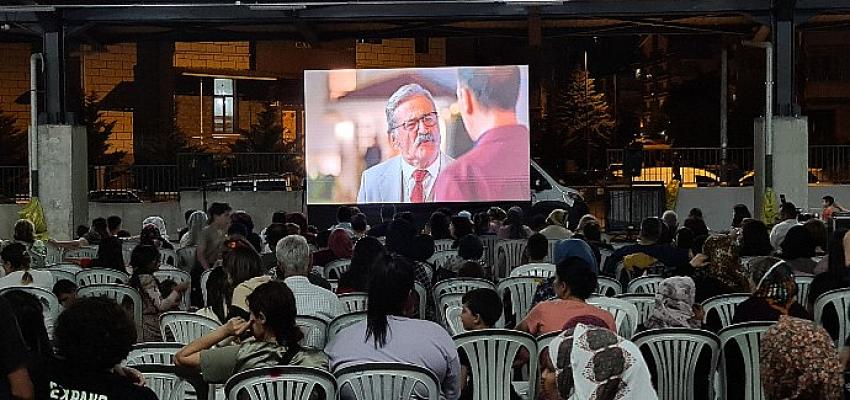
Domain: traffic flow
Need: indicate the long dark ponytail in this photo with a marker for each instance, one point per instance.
(392, 281)
(276, 302)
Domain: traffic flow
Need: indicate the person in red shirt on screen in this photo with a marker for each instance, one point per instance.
(496, 169)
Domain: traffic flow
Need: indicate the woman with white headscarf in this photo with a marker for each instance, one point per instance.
(587, 361)
(674, 305)
(159, 223)
(196, 223)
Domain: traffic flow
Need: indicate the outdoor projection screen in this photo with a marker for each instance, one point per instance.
(413, 135)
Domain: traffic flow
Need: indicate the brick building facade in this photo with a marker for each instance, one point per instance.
(259, 72)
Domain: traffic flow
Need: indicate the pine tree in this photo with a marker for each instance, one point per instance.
(13, 141)
(98, 132)
(161, 147)
(580, 114)
(264, 136)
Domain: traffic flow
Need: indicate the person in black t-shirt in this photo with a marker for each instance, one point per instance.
(15, 381)
(92, 337)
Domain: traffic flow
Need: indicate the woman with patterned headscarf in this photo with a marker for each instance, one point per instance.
(674, 305)
(718, 269)
(799, 361)
(587, 361)
(774, 293)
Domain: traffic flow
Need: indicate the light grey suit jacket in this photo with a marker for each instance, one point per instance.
(382, 183)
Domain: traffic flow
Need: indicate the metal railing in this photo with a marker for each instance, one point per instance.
(703, 166)
(128, 182)
(277, 171)
(14, 184)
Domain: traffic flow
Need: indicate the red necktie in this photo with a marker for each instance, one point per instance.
(418, 194)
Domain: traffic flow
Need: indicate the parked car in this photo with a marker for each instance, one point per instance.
(691, 176)
(816, 175)
(114, 196)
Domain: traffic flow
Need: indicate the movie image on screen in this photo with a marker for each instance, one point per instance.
(417, 135)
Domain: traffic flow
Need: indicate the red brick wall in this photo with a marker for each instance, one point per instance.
(15, 81)
(219, 55)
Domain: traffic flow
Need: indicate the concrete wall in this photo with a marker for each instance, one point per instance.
(717, 203)
(260, 205)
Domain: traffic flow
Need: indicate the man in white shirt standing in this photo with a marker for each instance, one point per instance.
(414, 130)
(293, 262)
(788, 214)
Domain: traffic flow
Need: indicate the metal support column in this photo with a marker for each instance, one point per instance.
(55, 103)
(785, 41)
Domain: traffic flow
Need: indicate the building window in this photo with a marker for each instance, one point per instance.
(224, 105)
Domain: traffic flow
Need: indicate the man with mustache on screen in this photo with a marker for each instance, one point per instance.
(497, 166)
(413, 129)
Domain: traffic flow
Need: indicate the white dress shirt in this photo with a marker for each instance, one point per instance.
(408, 182)
(777, 235)
(312, 300)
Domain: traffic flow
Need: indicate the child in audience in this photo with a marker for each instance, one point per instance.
(481, 309)
(66, 292)
(16, 263)
(145, 261)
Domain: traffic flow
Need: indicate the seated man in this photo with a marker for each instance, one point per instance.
(93, 336)
(650, 233)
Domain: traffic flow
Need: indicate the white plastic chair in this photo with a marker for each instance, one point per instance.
(177, 276)
(205, 276)
(460, 285)
(342, 322)
(803, 284)
(443, 245)
(509, 256)
(442, 258)
(644, 302)
(185, 327)
(675, 353)
(625, 313)
(53, 256)
(187, 258)
(645, 284)
(489, 249)
(521, 290)
(445, 302)
(167, 384)
(491, 353)
(168, 257)
(315, 331)
(83, 252)
(840, 300)
(608, 287)
(66, 268)
(153, 353)
(94, 276)
(724, 305)
(281, 383)
(550, 257)
(60, 274)
(453, 321)
(335, 269)
(537, 270)
(119, 293)
(422, 295)
(50, 304)
(334, 284)
(747, 338)
(355, 301)
(394, 381)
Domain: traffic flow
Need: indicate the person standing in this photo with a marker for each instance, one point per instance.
(210, 245)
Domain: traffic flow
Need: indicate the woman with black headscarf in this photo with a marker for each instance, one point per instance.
(513, 227)
(798, 248)
(755, 239)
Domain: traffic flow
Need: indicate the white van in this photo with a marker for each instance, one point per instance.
(546, 188)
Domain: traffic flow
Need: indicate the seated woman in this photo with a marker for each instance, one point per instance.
(387, 336)
(755, 239)
(356, 279)
(717, 269)
(272, 340)
(16, 264)
(110, 254)
(339, 247)
(219, 296)
(799, 361)
(774, 293)
(574, 282)
(145, 261)
(24, 233)
(798, 248)
(563, 250)
(674, 305)
(151, 236)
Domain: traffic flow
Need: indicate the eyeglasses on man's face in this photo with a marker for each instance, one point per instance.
(429, 120)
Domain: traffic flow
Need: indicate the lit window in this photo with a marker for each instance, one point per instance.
(224, 100)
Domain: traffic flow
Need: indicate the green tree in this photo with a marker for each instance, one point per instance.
(579, 115)
(264, 136)
(98, 132)
(13, 141)
(161, 147)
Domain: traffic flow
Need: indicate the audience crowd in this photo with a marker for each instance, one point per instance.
(255, 285)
